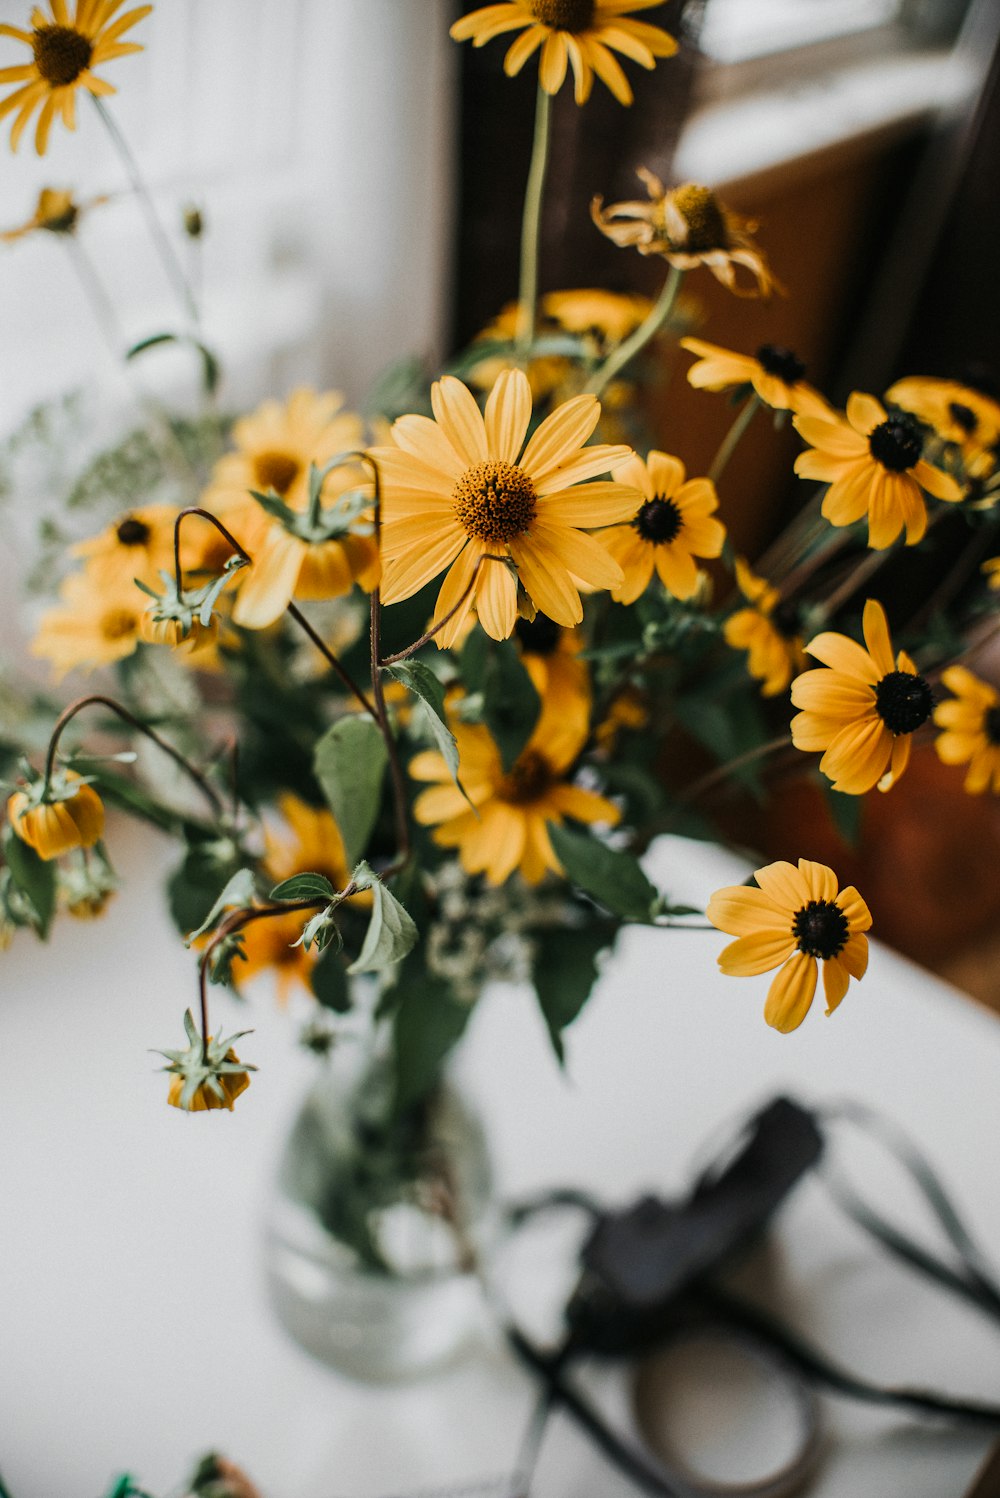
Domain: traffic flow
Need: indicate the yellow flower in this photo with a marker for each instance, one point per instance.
(56, 212)
(863, 711)
(767, 631)
(72, 818)
(794, 919)
(873, 464)
(584, 33)
(606, 316)
(991, 569)
(172, 632)
(689, 227)
(138, 545)
(459, 489)
(275, 447)
(971, 723)
(507, 831)
(65, 48)
(92, 628)
(775, 374)
(956, 412)
(551, 657)
(672, 525)
(205, 1098)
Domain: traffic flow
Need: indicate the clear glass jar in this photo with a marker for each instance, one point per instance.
(378, 1226)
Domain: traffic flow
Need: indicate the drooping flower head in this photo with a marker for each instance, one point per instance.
(459, 489)
(507, 831)
(795, 919)
(688, 227)
(70, 814)
(971, 723)
(874, 465)
(672, 525)
(862, 712)
(56, 212)
(583, 34)
(206, 1077)
(65, 49)
(958, 414)
(768, 630)
(774, 373)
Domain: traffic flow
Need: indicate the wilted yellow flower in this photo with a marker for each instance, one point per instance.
(767, 630)
(56, 212)
(72, 817)
(204, 1098)
(172, 632)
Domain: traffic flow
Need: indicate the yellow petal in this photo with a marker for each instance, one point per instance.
(791, 993)
(458, 415)
(835, 982)
(752, 955)
(508, 412)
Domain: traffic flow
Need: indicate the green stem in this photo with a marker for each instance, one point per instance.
(531, 223)
(626, 352)
(731, 440)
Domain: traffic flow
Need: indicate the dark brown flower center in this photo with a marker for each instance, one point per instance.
(896, 443)
(132, 532)
(703, 216)
(963, 416)
(528, 780)
(991, 725)
(538, 636)
(61, 54)
(820, 928)
(495, 501)
(659, 521)
(781, 363)
(117, 623)
(564, 15)
(903, 701)
(277, 471)
(785, 619)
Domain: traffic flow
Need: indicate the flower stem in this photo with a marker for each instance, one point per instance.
(171, 263)
(626, 352)
(425, 639)
(531, 223)
(704, 783)
(731, 440)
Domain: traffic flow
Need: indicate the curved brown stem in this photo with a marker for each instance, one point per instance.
(704, 783)
(425, 639)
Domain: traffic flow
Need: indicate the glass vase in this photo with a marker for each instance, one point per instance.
(378, 1226)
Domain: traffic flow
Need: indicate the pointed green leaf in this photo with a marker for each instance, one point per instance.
(426, 1025)
(34, 877)
(303, 887)
(613, 878)
(350, 761)
(239, 890)
(391, 933)
(421, 681)
(565, 970)
(329, 983)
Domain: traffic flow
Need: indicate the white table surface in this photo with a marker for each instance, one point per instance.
(134, 1332)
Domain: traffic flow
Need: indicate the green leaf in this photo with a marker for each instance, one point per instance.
(511, 706)
(613, 878)
(350, 761)
(421, 681)
(34, 877)
(329, 983)
(304, 887)
(565, 970)
(209, 363)
(239, 890)
(846, 813)
(391, 933)
(426, 1024)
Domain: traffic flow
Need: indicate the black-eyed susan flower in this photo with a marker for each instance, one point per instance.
(606, 317)
(774, 373)
(459, 489)
(206, 1077)
(508, 829)
(91, 627)
(583, 34)
(65, 49)
(873, 462)
(276, 446)
(768, 631)
(958, 414)
(970, 720)
(54, 820)
(139, 545)
(551, 657)
(673, 524)
(688, 227)
(864, 710)
(56, 212)
(795, 919)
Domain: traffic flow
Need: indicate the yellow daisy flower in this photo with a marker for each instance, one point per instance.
(138, 545)
(507, 831)
(991, 569)
(275, 447)
(864, 710)
(551, 657)
(672, 525)
(459, 488)
(956, 412)
(65, 49)
(873, 464)
(606, 316)
(689, 227)
(971, 723)
(794, 919)
(581, 33)
(775, 374)
(91, 628)
(73, 817)
(767, 630)
(56, 212)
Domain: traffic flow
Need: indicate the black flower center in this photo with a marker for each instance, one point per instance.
(61, 54)
(963, 416)
(528, 780)
(785, 619)
(564, 15)
(538, 636)
(820, 929)
(781, 363)
(659, 521)
(117, 623)
(991, 725)
(903, 701)
(495, 501)
(703, 217)
(277, 471)
(132, 532)
(896, 443)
